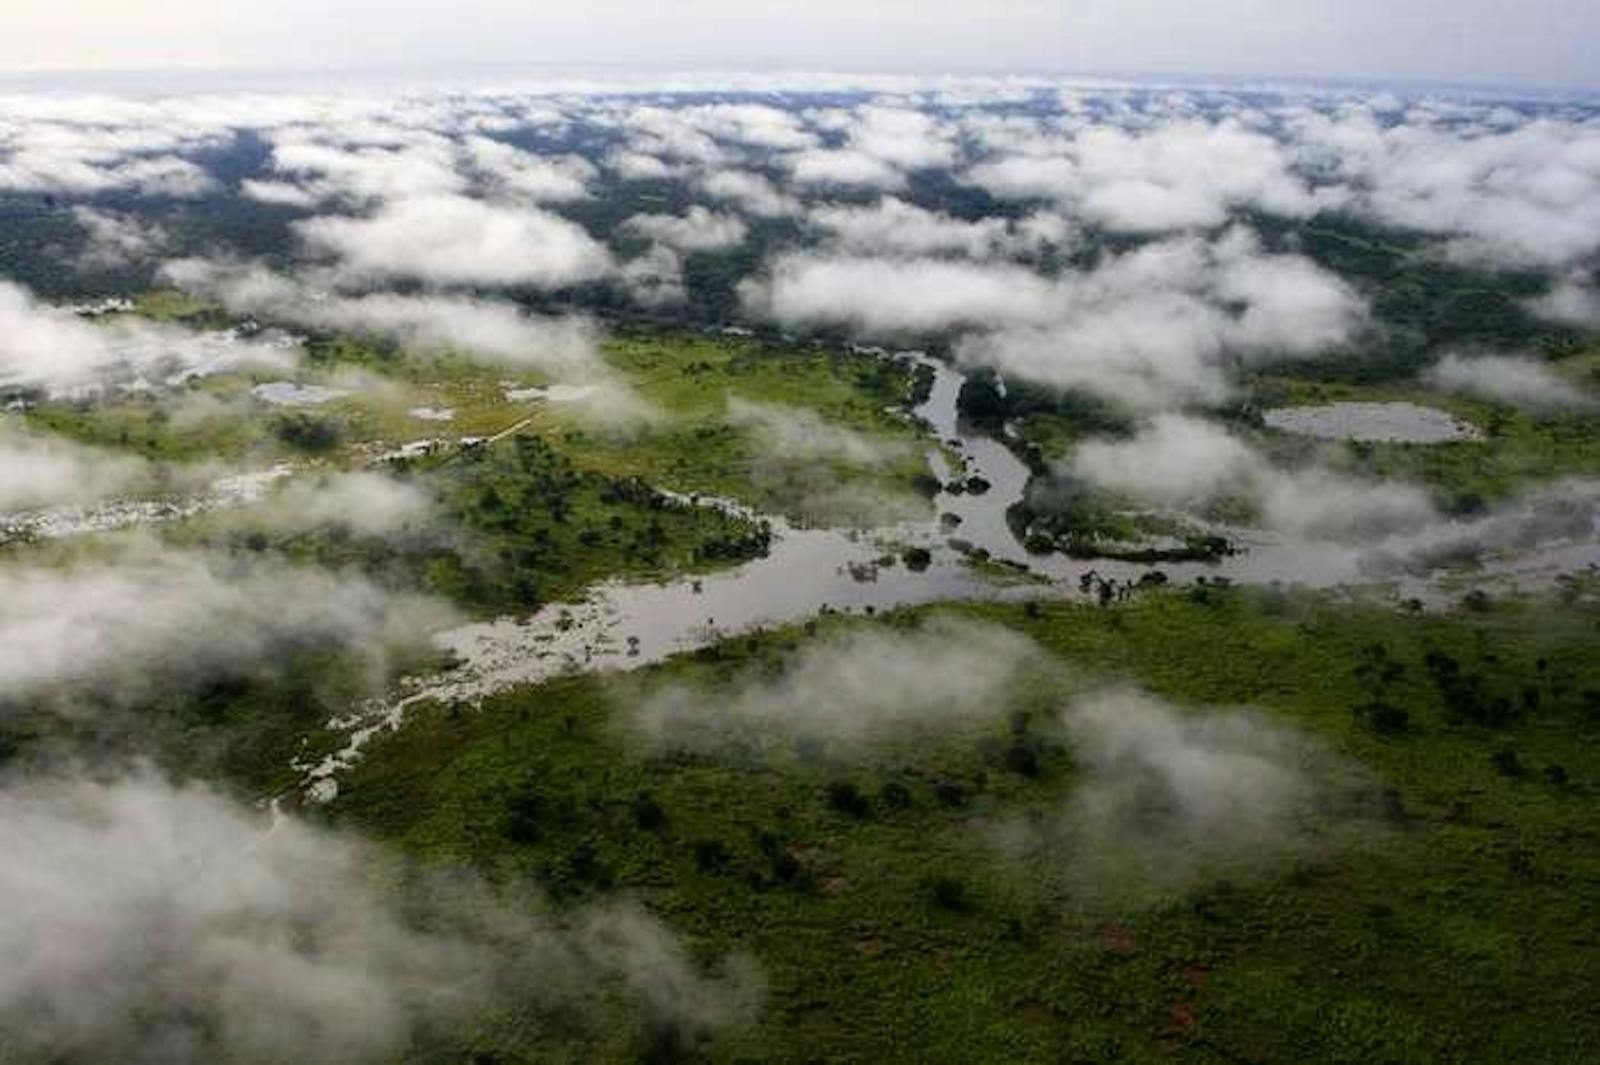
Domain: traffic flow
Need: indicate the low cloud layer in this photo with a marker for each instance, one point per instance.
(151, 616)
(454, 240)
(44, 471)
(154, 923)
(1182, 462)
(1148, 328)
(50, 348)
(362, 503)
(854, 689)
(485, 329)
(697, 230)
(1521, 382)
(796, 433)
(1166, 794)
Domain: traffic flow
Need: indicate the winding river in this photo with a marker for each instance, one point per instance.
(622, 625)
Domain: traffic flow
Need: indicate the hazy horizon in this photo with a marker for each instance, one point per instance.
(1544, 44)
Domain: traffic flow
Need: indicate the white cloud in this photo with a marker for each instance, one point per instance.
(753, 124)
(796, 433)
(1180, 175)
(902, 137)
(751, 192)
(655, 278)
(696, 230)
(116, 240)
(1167, 794)
(1528, 194)
(1183, 462)
(640, 166)
(511, 171)
(43, 471)
(894, 226)
(1572, 301)
(1146, 328)
(151, 617)
(856, 688)
(152, 922)
(50, 348)
(844, 166)
(1522, 382)
(367, 504)
(484, 329)
(886, 295)
(332, 172)
(453, 240)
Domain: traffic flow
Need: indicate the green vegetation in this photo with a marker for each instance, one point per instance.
(1518, 449)
(696, 448)
(668, 423)
(1454, 925)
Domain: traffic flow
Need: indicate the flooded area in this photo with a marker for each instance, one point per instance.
(553, 393)
(1393, 423)
(624, 625)
(291, 394)
(52, 523)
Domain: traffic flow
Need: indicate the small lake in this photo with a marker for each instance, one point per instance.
(1394, 423)
(290, 394)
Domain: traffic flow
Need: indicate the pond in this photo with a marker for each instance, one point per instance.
(1398, 423)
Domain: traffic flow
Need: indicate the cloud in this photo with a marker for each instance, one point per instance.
(149, 922)
(453, 240)
(485, 329)
(510, 171)
(1165, 795)
(115, 240)
(696, 230)
(854, 688)
(843, 166)
(1521, 382)
(752, 124)
(669, 133)
(640, 166)
(1533, 532)
(366, 504)
(1572, 301)
(66, 159)
(45, 471)
(148, 617)
(1175, 460)
(751, 192)
(796, 433)
(1025, 177)
(1187, 463)
(655, 278)
(332, 172)
(50, 348)
(894, 226)
(1525, 194)
(796, 465)
(1147, 328)
(888, 295)
(902, 137)
(1184, 174)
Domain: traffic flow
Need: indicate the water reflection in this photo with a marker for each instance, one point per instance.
(622, 625)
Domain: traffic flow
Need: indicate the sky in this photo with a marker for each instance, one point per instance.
(1531, 42)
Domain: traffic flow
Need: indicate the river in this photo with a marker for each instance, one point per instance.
(625, 625)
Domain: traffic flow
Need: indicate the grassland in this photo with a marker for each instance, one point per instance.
(1519, 447)
(1453, 925)
(665, 421)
